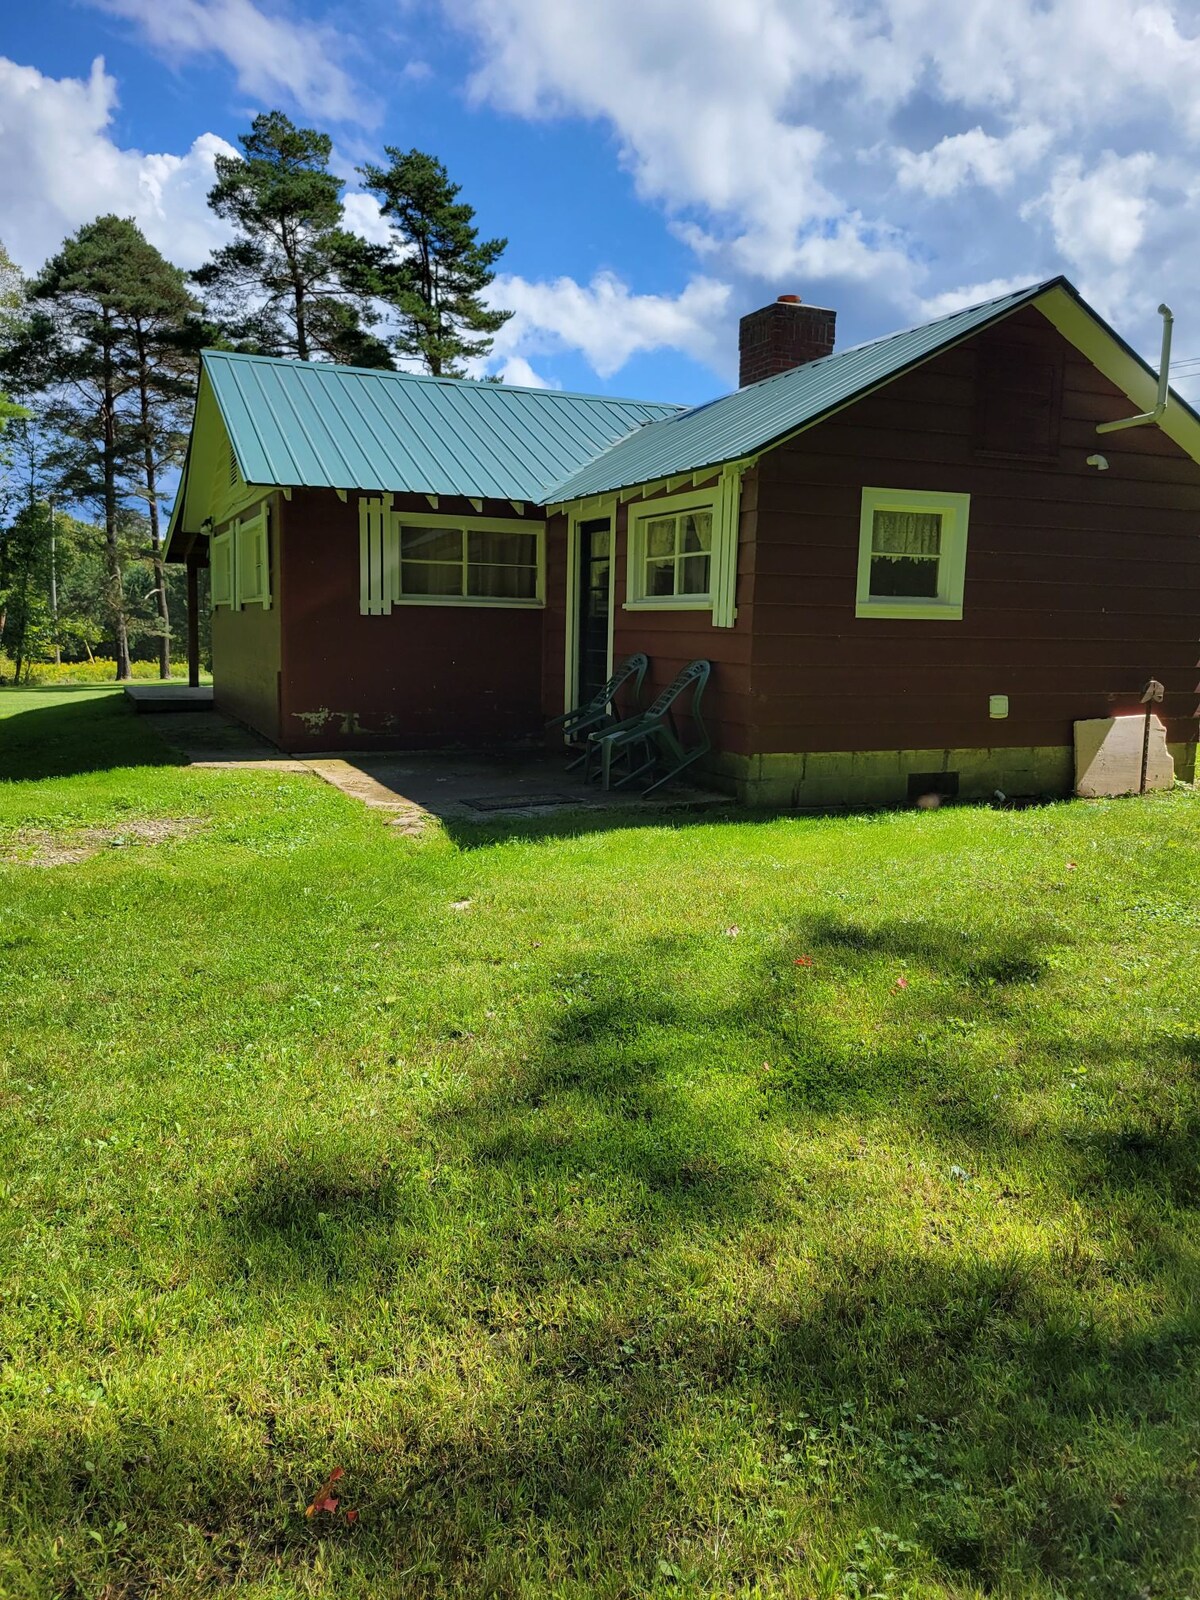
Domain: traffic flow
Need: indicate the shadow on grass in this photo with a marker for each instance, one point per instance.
(547, 827)
(92, 732)
(965, 1411)
(1007, 1423)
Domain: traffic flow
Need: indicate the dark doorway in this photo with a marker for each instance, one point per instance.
(594, 573)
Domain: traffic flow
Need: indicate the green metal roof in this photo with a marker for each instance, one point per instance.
(311, 424)
(298, 423)
(742, 423)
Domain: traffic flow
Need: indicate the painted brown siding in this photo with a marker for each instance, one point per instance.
(246, 649)
(423, 677)
(554, 620)
(1080, 584)
(673, 638)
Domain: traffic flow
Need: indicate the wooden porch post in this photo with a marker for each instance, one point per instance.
(193, 621)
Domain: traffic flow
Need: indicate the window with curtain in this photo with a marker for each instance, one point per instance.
(674, 555)
(912, 554)
(906, 551)
(461, 562)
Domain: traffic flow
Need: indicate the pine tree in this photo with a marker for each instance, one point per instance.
(163, 331)
(105, 310)
(294, 281)
(437, 268)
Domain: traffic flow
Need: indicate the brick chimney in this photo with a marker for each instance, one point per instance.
(783, 335)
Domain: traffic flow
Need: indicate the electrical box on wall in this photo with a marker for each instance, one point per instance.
(997, 705)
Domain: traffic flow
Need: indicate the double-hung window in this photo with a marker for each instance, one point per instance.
(671, 552)
(912, 554)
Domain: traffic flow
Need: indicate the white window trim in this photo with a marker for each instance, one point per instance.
(952, 566)
(643, 511)
(607, 509)
(419, 519)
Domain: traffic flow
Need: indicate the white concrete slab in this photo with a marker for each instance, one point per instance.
(1108, 756)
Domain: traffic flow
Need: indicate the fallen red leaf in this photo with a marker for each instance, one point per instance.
(900, 983)
(803, 961)
(326, 1500)
(352, 1516)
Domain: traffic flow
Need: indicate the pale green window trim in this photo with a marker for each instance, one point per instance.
(912, 554)
(414, 558)
(670, 554)
(252, 561)
(220, 564)
(376, 552)
(693, 578)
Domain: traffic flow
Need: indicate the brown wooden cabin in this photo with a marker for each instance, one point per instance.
(905, 561)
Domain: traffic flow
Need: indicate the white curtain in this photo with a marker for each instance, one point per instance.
(907, 533)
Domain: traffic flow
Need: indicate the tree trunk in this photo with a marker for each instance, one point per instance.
(160, 571)
(193, 622)
(301, 332)
(112, 537)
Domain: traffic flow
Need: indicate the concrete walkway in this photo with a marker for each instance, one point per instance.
(411, 788)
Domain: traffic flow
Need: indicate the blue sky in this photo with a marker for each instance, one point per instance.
(659, 166)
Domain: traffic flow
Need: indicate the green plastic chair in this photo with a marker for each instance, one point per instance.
(651, 741)
(601, 710)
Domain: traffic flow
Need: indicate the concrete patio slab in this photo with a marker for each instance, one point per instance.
(454, 787)
(411, 788)
(155, 695)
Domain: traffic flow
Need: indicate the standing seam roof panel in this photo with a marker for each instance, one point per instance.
(310, 425)
(740, 423)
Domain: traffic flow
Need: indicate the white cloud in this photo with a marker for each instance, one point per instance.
(607, 323)
(746, 124)
(1099, 217)
(972, 294)
(993, 161)
(696, 90)
(363, 216)
(271, 55)
(61, 168)
(516, 370)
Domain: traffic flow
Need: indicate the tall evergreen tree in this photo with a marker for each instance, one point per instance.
(294, 280)
(435, 273)
(103, 293)
(163, 331)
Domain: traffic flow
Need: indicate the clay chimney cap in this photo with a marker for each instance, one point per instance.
(789, 300)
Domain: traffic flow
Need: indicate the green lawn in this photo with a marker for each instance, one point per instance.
(525, 1176)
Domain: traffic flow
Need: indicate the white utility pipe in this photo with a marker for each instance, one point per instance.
(1164, 365)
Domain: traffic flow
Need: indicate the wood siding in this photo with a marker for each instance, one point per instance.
(425, 676)
(247, 649)
(1080, 584)
(673, 638)
(670, 638)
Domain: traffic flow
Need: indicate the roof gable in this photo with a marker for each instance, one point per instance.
(762, 414)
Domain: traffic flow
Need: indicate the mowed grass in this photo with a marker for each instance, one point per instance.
(526, 1177)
